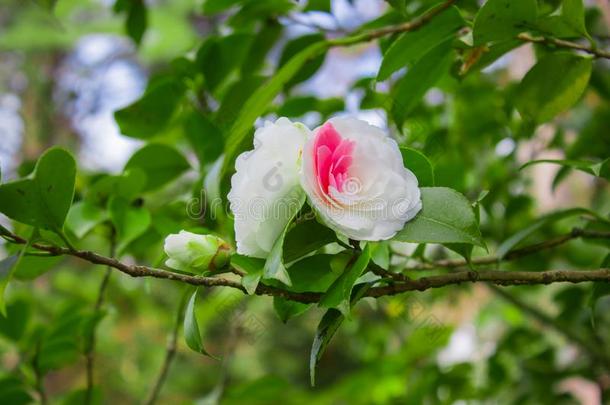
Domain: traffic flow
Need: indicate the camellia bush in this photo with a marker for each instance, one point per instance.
(435, 232)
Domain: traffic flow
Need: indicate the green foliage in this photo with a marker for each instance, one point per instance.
(339, 293)
(503, 19)
(547, 90)
(161, 163)
(149, 115)
(410, 47)
(446, 217)
(44, 200)
(192, 335)
(424, 74)
(274, 265)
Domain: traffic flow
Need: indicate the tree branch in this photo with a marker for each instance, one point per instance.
(560, 43)
(412, 25)
(425, 18)
(493, 276)
(420, 284)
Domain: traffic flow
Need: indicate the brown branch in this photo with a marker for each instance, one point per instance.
(420, 284)
(560, 43)
(412, 25)
(494, 276)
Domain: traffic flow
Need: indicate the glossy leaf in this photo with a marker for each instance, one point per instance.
(419, 79)
(503, 19)
(593, 168)
(129, 221)
(192, 335)
(339, 293)
(253, 268)
(412, 46)
(446, 217)
(286, 309)
(161, 164)
(83, 217)
(552, 86)
(151, 114)
(419, 164)
(306, 237)
(274, 266)
(44, 200)
(328, 326)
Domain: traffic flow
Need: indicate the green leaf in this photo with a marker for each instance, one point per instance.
(412, 46)
(520, 236)
(339, 293)
(327, 328)
(18, 314)
(192, 336)
(136, 20)
(83, 217)
(127, 185)
(7, 268)
(446, 217)
(129, 221)
(44, 200)
(61, 343)
(301, 105)
(211, 7)
(219, 57)
(262, 43)
(161, 164)
(503, 19)
(593, 168)
(234, 99)
(286, 309)
(292, 48)
(14, 392)
(318, 5)
(274, 266)
(32, 267)
(253, 268)
(259, 102)
(306, 237)
(419, 79)
(570, 23)
(313, 274)
(151, 114)
(419, 164)
(204, 136)
(552, 86)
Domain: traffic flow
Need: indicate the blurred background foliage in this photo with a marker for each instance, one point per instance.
(103, 78)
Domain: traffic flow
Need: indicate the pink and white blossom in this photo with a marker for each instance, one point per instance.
(354, 177)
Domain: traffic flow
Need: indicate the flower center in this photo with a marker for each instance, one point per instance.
(332, 159)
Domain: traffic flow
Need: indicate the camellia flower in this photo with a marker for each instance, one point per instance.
(354, 177)
(265, 189)
(189, 251)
